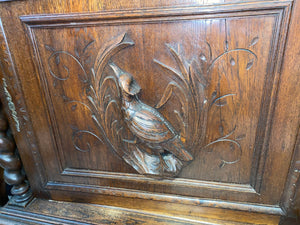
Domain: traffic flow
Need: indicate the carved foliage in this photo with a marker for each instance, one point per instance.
(139, 133)
(192, 89)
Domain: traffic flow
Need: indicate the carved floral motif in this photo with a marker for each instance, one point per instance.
(140, 134)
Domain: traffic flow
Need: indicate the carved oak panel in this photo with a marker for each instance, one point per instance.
(160, 98)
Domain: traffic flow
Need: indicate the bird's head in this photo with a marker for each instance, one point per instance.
(126, 81)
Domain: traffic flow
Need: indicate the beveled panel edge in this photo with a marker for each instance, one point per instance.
(8, 71)
(21, 216)
(183, 182)
(51, 212)
(275, 8)
(45, 94)
(274, 72)
(171, 198)
(144, 14)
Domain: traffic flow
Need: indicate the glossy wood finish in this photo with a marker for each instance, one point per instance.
(11, 163)
(207, 112)
(53, 212)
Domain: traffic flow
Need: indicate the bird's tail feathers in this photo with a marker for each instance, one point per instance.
(176, 147)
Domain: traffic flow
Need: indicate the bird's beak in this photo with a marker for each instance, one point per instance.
(116, 69)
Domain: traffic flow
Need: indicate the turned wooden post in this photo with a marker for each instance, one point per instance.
(11, 163)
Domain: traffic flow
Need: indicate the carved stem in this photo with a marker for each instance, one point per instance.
(227, 52)
(11, 163)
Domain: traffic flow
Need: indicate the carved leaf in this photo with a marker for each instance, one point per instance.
(169, 69)
(203, 57)
(76, 104)
(66, 68)
(88, 45)
(180, 119)
(76, 53)
(198, 84)
(232, 61)
(213, 96)
(108, 83)
(240, 137)
(226, 46)
(221, 102)
(78, 137)
(49, 48)
(222, 164)
(209, 49)
(111, 110)
(166, 96)
(179, 62)
(73, 107)
(233, 146)
(57, 60)
(196, 71)
(59, 76)
(249, 65)
(254, 41)
(105, 53)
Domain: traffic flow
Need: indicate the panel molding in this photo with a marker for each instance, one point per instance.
(269, 99)
(45, 94)
(243, 188)
(24, 130)
(149, 14)
(127, 193)
(43, 211)
(281, 9)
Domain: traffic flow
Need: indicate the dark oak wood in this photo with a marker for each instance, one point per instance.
(11, 163)
(3, 190)
(139, 104)
(54, 212)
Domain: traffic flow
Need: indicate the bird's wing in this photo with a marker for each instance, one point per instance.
(150, 126)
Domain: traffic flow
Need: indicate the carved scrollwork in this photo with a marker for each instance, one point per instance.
(191, 89)
(139, 133)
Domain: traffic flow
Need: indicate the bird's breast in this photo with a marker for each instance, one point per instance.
(147, 124)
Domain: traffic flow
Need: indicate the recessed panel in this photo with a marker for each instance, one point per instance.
(175, 98)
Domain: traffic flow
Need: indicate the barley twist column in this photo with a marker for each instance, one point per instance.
(11, 163)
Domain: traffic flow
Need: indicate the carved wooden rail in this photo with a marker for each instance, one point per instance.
(11, 163)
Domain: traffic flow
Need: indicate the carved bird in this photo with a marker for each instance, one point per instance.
(145, 122)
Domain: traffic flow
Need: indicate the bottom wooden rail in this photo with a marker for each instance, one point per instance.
(41, 211)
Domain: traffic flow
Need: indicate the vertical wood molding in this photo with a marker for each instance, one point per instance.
(12, 96)
(266, 118)
(289, 202)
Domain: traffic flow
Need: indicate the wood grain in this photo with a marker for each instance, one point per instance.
(20, 193)
(193, 103)
(41, 211)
